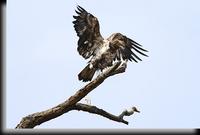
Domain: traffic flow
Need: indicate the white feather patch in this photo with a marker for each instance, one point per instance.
(103, 49)
(86, 42)
(90, 66)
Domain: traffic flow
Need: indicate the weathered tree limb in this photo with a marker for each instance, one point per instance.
(101, 112)
(35, 119)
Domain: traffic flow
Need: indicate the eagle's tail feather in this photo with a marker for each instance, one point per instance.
(86, 74)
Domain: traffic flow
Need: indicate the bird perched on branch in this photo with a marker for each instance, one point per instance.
(102, 52)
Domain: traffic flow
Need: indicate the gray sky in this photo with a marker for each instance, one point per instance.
(42, 62)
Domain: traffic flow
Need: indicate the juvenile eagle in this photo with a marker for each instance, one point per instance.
(103, 52)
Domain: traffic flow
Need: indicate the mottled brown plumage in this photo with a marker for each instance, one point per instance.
(103, 52)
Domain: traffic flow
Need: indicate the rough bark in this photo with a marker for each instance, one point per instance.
(101, 112)
(37, 118)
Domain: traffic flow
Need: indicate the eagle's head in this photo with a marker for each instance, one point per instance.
(117, 36)
(117, 40)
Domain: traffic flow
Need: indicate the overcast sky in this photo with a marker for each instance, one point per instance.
(42, 63)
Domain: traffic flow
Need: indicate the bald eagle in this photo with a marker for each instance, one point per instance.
(102, 52)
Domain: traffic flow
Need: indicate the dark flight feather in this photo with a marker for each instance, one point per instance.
(87, 29)
(124, 46)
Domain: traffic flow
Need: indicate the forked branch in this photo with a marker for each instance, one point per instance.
(38, 118)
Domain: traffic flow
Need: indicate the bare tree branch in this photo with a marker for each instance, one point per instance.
(35, 119)
(101, 112)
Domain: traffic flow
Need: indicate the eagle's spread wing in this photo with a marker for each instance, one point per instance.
(87, 28)
(123, 46)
